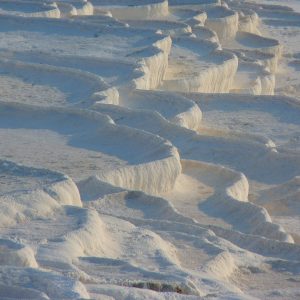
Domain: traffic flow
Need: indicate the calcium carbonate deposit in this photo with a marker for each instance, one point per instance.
(149, 149)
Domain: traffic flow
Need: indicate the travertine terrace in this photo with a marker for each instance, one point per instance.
(150, 149)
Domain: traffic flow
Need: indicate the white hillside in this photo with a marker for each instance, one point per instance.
(149, 149)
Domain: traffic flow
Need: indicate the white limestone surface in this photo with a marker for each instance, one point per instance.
(197, 65)
(30, 8)
(59, 129)
(148, 149)
(133, 9)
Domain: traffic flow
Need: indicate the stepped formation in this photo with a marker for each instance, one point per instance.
(149, 149)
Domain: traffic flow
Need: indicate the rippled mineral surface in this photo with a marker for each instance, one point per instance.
(149, 149)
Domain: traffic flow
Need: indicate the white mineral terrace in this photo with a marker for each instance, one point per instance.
(149, 149)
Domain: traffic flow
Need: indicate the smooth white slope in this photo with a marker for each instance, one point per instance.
(87, 143)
